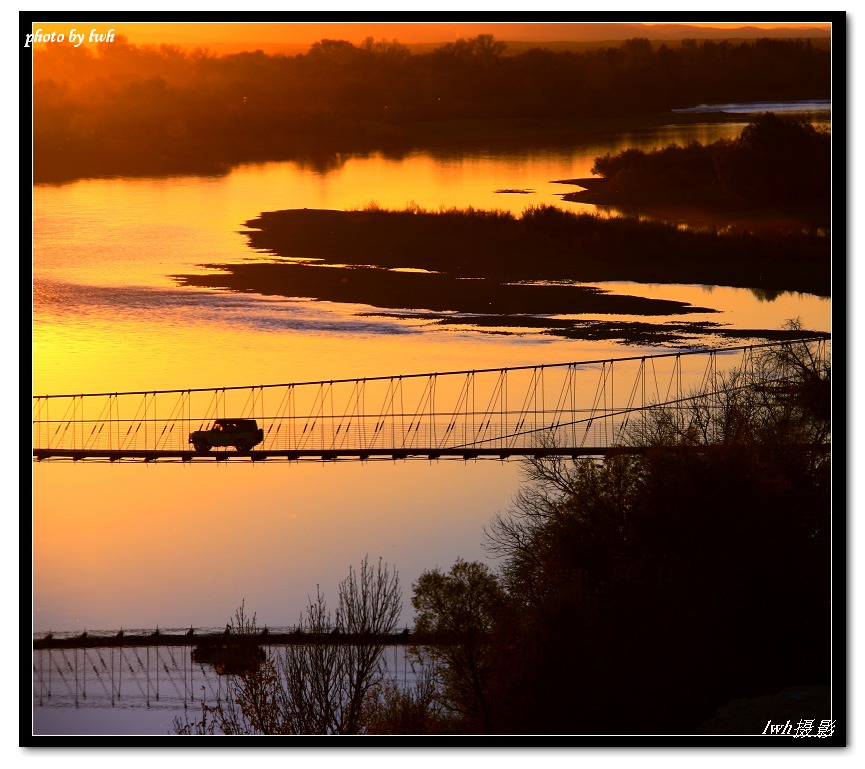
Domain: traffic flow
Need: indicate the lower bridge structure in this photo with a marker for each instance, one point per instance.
(179, 669)
(586, 408)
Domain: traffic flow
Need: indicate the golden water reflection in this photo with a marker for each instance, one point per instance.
(179, 545)
(738, 307)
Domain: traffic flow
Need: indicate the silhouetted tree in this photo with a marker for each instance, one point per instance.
(459, 607)
(777, 160)
(315, 688)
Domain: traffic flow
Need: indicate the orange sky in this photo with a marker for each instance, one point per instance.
(268, 36)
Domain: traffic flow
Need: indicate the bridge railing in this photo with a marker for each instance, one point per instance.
(570, 405)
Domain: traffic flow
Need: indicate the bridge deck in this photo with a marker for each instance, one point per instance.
(325, 455)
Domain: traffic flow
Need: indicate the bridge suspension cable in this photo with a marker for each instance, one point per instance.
(578, 408)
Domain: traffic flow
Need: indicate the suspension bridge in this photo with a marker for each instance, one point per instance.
(585, 408)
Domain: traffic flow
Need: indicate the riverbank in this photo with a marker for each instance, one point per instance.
(499, 272)
(326, 144)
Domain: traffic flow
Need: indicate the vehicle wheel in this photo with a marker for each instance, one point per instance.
(201, 448)
(244, 447)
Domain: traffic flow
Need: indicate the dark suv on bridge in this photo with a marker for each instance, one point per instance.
(243, 434)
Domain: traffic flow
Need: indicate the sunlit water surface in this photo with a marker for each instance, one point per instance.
(173, 545)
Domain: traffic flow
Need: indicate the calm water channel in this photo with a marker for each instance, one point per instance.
(171, 545)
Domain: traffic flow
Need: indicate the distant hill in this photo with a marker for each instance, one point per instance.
(681, 31)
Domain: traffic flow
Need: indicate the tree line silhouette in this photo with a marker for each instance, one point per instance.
(127, 109)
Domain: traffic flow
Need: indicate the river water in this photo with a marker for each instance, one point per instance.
(180, 545)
